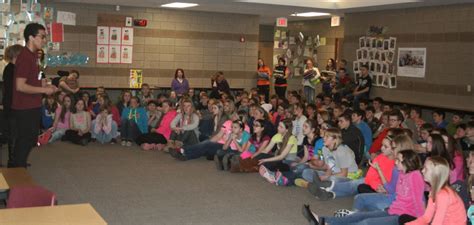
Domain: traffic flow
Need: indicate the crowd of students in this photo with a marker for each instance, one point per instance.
(398, 167)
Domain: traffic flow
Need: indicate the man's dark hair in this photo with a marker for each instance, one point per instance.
(32, 29)
(378, 99)
(417, 110)
(360, 113)
(440, 112)
(365, 66)
(398, 114)
(365, 101)
(370, 108)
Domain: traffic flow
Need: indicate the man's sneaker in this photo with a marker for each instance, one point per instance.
(176, 153)
(219, 164)
(280, 179)
(300, 182)
(129, 144)
(267, 174)
(342, 213)
(327, 185)
(123, 143)
(320, 193)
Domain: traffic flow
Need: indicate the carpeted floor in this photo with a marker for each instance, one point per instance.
(129, 186)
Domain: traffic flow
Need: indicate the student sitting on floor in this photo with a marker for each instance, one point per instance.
(259, 139)
(48, 111)
(438, 119)
(154, 115)
(124, 101)
(134, 122)
(444, 205)
(169, 113)
(103, 130)
(235, 145)
(339, 165)
(80, 125)
(409, 197)
(273, 167)
(185, 131)
(61, 121)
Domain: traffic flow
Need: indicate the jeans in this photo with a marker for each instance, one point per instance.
(309, 93)
(103, 137)
(27, 123)
(205, 148)
(371, 202)
(364, 218)
(57, 135)
(188, 137)
(129, 130)
(346, 188)
(309, 173)
(74, 137)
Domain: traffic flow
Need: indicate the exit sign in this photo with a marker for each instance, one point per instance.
(282, 22)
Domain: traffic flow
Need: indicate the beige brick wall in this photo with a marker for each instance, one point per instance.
(199, 42)
(448, 34)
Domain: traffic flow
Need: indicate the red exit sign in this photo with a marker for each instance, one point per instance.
(282, 22)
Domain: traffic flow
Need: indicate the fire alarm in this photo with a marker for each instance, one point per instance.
(140, 22)
(242, 39)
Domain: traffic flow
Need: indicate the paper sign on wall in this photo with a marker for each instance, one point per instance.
(102, 35)
(136, 78)
(115, 35)
(102, 54)
(126, 54)
(67, 18)
(114, 53)
(57, 32)
(127, 36)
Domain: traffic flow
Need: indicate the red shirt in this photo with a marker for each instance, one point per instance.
(26, 66)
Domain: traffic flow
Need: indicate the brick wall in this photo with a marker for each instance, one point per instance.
(448, 34)
(199, 42)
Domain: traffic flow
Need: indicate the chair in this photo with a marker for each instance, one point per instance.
(30, 196)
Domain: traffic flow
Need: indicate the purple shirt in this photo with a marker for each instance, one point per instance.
(180, 87)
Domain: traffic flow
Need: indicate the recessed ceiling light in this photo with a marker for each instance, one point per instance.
(179, 5)
(310, 14)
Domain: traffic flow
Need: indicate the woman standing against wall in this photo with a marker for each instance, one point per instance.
(311, 78)
(263, 81)
(281, 74)
(180, 84)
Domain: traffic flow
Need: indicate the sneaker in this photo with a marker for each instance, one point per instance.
(312, 218)
(320, 193)
(176, 153)
(300, 182)
(328, 185)
(342, 213)
(267, 174)
(129, 144)
(219, 164)
(280, 179)
(123, 143)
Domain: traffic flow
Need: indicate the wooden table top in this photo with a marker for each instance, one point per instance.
(78, 214)
(17, 177)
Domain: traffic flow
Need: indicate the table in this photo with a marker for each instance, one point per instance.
(17, 177)
(78, 214)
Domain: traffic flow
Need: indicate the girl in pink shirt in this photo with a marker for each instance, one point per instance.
(168, 115)
(61, 121)
(409, 197)
(445, 207)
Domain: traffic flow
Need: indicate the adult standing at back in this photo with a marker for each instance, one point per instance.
(11, 54)
(180, 84)
(281, 73)
(27, 91)
(263, 81)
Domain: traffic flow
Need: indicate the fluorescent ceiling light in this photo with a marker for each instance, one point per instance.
(179, 5)
(310, 14)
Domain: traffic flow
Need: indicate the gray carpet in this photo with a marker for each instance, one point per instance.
(129, 186)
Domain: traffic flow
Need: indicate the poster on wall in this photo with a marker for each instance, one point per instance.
(411, 62)
(114, 53)
(102, 54)
(127, 36)
(126, 54)
(66, 18)
(115, 35)
(102, 35)
(136, 78)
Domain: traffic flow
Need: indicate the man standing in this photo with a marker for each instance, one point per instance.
(27, 91)
(364, 84)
